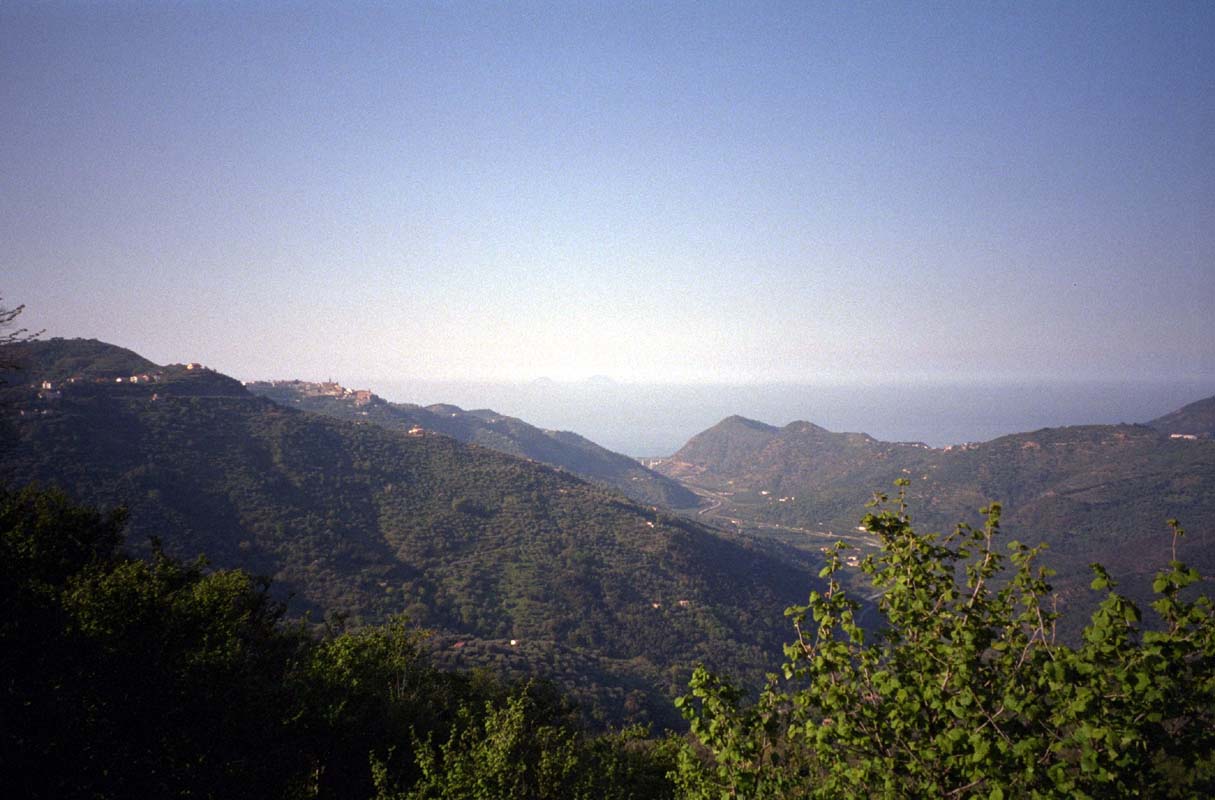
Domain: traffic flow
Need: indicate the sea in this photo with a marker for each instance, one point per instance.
(649, 420)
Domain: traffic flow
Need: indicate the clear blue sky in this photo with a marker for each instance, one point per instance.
(690, 191)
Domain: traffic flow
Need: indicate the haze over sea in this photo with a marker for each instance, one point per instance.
(656, 419)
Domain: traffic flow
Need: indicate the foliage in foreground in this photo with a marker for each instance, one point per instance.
(124, 677)
(965, 692)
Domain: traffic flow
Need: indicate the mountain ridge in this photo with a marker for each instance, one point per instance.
(355, 519)
(1194, 419)
(487, 428)
(1091, 492)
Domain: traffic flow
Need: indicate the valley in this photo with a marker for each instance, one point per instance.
(484, 528)
(1098, 492)
(530, 554)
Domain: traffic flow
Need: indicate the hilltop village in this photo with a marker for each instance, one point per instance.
(330, 388)
(41, 395)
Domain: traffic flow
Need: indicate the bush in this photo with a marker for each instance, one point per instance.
(963, 691)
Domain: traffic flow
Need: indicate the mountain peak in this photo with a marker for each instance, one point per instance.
(736, 420)
(801, 426)
(60, 359)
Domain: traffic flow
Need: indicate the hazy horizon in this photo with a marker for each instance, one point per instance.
(646, 420)
(682, 192)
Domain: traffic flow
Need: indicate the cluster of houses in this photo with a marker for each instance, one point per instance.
(51, 390)
(142, 377)
(330, 388)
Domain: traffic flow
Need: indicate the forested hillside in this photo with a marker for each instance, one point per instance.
(489, 429)
(1098, 492)
(360, 520)
(126, 677)
(149, 677)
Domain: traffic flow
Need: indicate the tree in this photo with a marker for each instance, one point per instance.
(150, 677)
(8, 320)
(963, 690)
(122, 677)
(527, 746)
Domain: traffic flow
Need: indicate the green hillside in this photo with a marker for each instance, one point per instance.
(1092, 493)
(149, 677)
(62, 359)
(490, 429)
(368, 522)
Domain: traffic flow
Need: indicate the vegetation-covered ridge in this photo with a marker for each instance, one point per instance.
(487, 428)
(1088, 491)
(141, 677)
(1195, 420)
(59, 360)
(531, 570)
(123, 677)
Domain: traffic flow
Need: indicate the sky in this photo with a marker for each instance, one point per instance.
(653, 192)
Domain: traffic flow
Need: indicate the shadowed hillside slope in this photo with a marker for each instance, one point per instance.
(365, 521)
(1195, 419)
